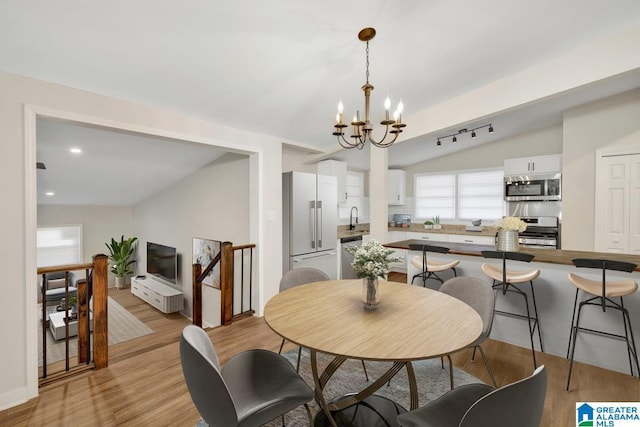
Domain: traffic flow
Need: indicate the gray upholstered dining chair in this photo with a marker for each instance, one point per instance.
(479, 405)
(297, 277)
(301, 276)
(480, 296)
(252, 388)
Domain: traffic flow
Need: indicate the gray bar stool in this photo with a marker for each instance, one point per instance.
(506, 281)
(430, 267)
(601, 292)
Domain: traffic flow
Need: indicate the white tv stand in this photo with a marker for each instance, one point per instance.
(161, 296)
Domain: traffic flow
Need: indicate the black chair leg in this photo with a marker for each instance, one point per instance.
(573, 320)
(631, 343)
(573, 344)
(298, 363)
(531, 330)
(364, 368)
(537, 321)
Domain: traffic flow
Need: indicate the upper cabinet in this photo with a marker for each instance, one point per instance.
(339, 170)
(397, 187)
(533, 165)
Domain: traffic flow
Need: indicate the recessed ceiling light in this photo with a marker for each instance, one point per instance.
(50, 193)
(76, 150)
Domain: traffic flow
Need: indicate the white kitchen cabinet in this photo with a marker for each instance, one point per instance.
(533, 165)
(396, 187)
(396, 236)
(478, 240)
(339, 170)
(431, 237)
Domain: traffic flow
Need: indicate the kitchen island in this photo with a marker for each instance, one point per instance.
(554, 295)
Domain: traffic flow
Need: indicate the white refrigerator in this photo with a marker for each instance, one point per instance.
(310, 221)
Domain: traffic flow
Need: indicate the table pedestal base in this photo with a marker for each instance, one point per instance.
(371, 412)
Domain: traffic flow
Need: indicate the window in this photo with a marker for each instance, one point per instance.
(464, 195)
(355, 193)
(435, 195)
(59, 245)
(480, 195)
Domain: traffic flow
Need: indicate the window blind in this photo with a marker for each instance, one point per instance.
(480, 195)
(435, 195)
(464, 195)
(59, 245)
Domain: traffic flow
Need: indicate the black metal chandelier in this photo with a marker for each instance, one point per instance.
(362, 129)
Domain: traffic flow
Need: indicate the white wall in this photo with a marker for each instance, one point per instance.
(491, 155)
(99, 225)
(212, 203)
(294, 160)
(22, 100)
(610, 122)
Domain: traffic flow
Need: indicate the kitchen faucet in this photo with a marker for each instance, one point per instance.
(352, 226)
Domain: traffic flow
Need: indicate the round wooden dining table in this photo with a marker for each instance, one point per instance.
(410, 323)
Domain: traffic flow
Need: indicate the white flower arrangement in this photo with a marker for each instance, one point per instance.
(371, 260)
(512, 223)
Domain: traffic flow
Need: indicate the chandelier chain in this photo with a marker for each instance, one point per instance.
(367, 73)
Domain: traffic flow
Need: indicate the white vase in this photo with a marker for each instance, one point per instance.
(121, 282)
(507, 240)
(370, 293)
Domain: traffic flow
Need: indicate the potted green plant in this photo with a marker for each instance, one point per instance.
(72, 304)
(436, 222)
(428, 224)
(121, 255)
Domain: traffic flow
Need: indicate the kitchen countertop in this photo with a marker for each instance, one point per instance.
(551, 256)
(362, 229)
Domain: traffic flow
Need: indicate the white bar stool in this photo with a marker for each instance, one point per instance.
(507, 280)
(601, 293)
(429, 268)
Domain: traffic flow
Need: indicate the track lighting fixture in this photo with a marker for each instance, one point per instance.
(454, 136)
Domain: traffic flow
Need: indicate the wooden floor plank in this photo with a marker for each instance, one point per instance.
(144, 386)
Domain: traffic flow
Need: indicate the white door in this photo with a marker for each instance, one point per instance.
(615, 207)
(618, 204)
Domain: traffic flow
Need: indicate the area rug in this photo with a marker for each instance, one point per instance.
(432, 380)
(123, 326)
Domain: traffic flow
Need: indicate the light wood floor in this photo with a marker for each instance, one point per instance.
(144, 386)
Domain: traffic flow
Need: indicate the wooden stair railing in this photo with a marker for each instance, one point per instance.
(95, 284)
(226, 259)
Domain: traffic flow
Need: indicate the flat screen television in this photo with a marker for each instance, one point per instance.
(162, 262)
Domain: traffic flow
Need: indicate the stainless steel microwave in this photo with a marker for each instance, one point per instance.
(533, 188)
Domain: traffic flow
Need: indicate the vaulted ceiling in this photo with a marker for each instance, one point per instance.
(280, 67)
